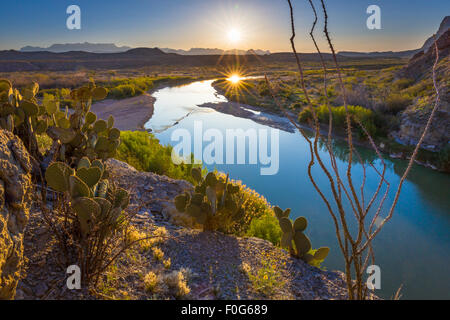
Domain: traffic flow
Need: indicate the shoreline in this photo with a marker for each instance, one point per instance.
(389, 148)
(126, 112)
(250, 112)
(131, 114)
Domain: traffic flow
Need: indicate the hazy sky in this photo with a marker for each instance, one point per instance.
(262, 24)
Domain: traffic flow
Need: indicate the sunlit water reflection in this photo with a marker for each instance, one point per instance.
(412, 249)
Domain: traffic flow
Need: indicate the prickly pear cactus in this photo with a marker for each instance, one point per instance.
(97, 204)
(296, 241)
(81, 134)
(21, 114)
(215, 202)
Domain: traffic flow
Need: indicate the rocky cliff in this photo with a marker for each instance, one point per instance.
(444, 27)
(414, 118)
(15, 201)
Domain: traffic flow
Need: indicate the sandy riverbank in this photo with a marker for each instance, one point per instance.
(132, 113)
(245, 111)
(129, 114)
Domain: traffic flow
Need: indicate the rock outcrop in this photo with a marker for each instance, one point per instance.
(217, 266)
(414, 118)
(413, 123)
(445, 25)
(217, 262)
(153, 191)
(421, 64)
(15, 202)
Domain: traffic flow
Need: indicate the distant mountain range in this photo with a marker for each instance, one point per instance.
(377, 54)
(215, 51)
(86, 46)
(73, 56)
(112, 48)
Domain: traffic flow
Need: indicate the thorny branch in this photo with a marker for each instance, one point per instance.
(354, 248)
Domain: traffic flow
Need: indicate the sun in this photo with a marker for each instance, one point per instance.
(234, 82)
(234, 78)
(234, 35)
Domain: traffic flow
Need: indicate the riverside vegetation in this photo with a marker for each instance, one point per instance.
(88, 212)
(378, 96)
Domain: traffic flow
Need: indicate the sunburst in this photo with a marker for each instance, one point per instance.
(234, 83)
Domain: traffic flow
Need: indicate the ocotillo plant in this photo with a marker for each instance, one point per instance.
(356, 246)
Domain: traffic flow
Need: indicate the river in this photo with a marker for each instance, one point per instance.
(412, 249)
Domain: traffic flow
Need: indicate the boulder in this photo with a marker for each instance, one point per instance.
(15, 202)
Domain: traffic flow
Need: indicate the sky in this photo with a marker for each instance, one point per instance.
(259, 24)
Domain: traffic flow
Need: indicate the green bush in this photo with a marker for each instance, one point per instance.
(397, 102)
(144, 152)
(129, 87)
(403, 83)
(265, 227)
(122, 91)
(263, 89)
(365, 116)
(305, 115)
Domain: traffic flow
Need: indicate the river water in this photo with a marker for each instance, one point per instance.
(412, 249)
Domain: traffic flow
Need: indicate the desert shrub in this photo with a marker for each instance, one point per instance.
(397, 102)
(144, 152)
(172, 284)
(357, 95)
(255, 206)
(150, 281)
(266, 280)
(403, 83)
(385, 122)
(296, 106)
(365, 116)
(262, 89)
(122, 91)
(422, 88)
(132, 234)
(167, 263)
(177, 283)
(265, 227)
(121, 88)
(305, 115)
(158, 254)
